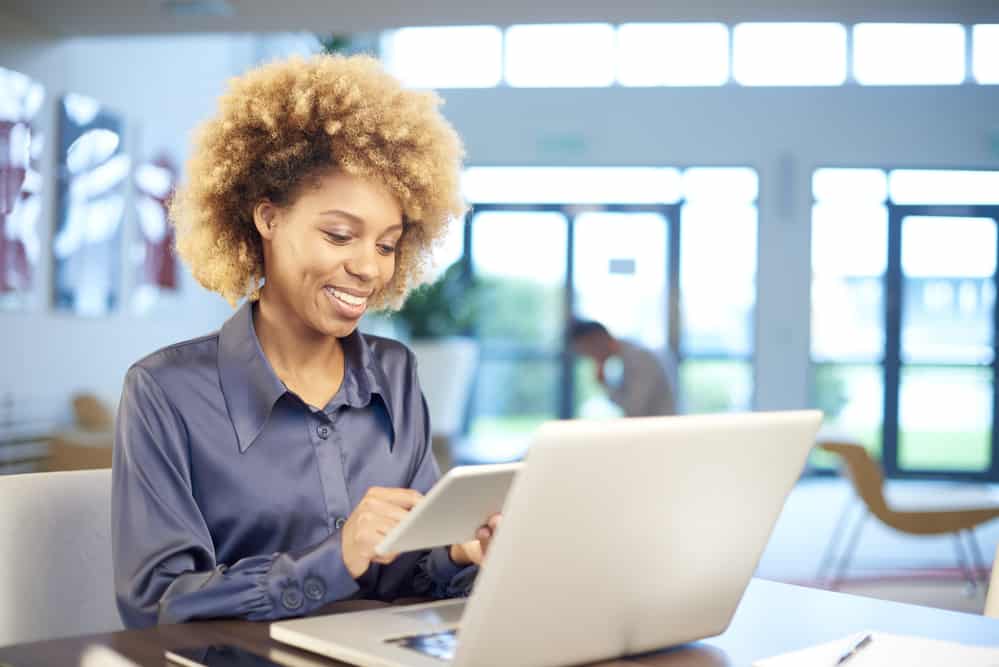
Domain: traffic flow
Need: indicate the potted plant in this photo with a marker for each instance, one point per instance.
(439, 319)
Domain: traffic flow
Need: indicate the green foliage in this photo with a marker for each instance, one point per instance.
(520, 312)
(334, 43)
(446, 307)
(830, 391)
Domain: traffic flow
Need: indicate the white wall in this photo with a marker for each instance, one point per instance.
(162, 87)
(169, 83)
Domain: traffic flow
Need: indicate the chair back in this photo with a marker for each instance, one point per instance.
(78, 451)
(865, 475)
(992, 599)
(55, 556)
(91, 414)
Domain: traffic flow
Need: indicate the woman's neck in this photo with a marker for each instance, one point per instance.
(297, 352)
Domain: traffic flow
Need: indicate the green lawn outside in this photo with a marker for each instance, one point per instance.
(953, 451)
(511, 426)
(922, 450)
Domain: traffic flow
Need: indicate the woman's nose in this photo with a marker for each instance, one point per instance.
(364, 263)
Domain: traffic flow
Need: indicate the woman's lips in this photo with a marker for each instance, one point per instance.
(348, 305)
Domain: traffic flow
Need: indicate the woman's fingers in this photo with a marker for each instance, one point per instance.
(386, 509)
(404, 498)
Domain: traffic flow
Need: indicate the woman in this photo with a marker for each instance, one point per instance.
(256, 468)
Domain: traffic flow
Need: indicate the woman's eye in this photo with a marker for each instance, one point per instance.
(337, 238)
(386, 249)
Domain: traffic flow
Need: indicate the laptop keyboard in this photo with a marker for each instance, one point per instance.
(440, 645)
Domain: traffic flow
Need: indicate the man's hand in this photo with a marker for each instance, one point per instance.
(474, 552)
(377, 513)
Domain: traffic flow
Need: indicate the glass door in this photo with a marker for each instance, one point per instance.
(518, 255)
(941, 323)
(548, 244)
(621, 269)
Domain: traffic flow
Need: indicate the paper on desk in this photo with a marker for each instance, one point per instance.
(885, 650)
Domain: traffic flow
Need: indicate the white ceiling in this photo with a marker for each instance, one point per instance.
(99, 17)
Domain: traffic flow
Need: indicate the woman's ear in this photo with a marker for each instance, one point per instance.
(264, 218)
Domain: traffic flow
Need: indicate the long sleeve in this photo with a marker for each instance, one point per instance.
(632, 394)
(165, 565)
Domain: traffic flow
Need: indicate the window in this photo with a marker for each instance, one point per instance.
(568, 55)
(672, 54)
(682, 54)
(912, 186)
(908, 54)
(789, 54)
(519, 257)
(903, 316)
(642, 246)
(717, 289)
(985, 56)
(448, 57)
(849, 259)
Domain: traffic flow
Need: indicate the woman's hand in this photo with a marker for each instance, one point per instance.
(474, 552)
(377, 513)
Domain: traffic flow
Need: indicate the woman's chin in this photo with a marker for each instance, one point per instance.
(335, 326)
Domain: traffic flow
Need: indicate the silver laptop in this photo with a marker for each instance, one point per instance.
(618, 537)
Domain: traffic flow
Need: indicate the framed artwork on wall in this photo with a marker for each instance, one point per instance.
(93, 170)
(154, 264)
(21, 184)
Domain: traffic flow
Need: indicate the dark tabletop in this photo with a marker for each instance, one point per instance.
(772, 618)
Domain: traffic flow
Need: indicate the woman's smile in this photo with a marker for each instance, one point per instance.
(350, 304)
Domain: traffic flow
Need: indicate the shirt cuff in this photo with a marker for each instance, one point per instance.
(449, 578)
(299, 583)
(440, 567)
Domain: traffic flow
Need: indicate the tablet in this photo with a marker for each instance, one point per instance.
(453, 509)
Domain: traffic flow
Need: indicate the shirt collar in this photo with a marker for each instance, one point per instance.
(251, 387)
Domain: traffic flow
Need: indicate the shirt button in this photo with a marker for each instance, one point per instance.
(340, 521)
(314, 588)
(292, 598)
(324, 431)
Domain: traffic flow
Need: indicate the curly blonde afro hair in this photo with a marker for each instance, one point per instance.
(279, 125)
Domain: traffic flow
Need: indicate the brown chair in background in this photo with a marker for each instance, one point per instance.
(992, 598)
(868, 482)
(88, 445)
(91, 414)
(78, 451)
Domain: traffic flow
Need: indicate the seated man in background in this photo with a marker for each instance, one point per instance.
(634, 377)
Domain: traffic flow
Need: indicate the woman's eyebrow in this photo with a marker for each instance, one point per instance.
(336, 211)
(359, 220)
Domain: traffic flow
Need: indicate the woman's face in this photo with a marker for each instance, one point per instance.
(328, 252)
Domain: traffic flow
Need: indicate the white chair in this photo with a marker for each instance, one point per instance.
(55, 556)
(992, 599)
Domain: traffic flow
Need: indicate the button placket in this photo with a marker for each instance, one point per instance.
(331, 468)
